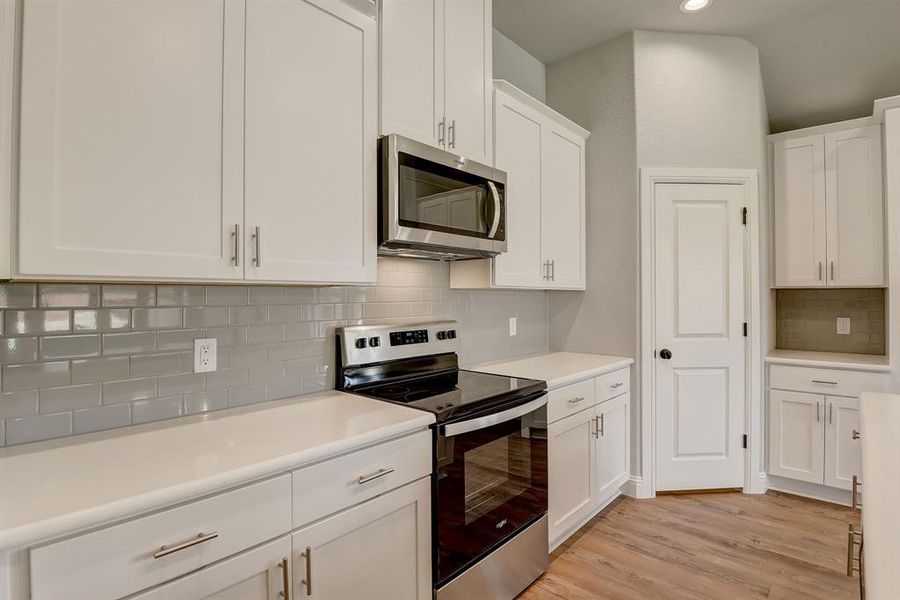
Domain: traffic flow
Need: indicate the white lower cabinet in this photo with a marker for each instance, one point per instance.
(796, 436)
(843, 455)
(378, 550)
(588, 450)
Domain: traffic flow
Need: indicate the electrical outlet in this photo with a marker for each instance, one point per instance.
(843, 325)
(204, 355)
(512, 326)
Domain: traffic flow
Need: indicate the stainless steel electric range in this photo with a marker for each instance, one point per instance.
(489, 480)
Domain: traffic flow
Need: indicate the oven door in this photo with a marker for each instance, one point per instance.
(491, 483)
(433, 198)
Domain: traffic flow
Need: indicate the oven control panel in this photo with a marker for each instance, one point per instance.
(366, 344)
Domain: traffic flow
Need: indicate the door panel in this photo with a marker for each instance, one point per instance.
(796, 435)
(843, 455)
(467, 77)
(518, 152)
(799, 220)
(855, 207)
(131, 143)
(562, 208)
(612, 446)
(310, 153)
(572, 471)
(412, 68)
(699, 317)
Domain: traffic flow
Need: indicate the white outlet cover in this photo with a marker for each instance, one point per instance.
(513, 326)
(204, 355)
(843, 325)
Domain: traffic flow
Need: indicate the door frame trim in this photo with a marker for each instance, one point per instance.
(645, 484)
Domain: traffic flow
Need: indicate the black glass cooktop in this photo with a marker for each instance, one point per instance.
(455, 393)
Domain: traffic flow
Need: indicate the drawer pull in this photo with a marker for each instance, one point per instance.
(285, 580)
(308, 581)
(380, 473)
(617, 385)
(819, 381)
(201, 537)
(855, 496)
(576, 400)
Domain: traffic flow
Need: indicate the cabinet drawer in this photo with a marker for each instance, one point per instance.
(333, 485)
(825, 381)
(613, 384)
(570, 399)
(129, 557)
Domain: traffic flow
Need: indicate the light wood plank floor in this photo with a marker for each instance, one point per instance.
(720, 546)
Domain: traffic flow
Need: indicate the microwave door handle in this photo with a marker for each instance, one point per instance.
(496, 196)
(486, 421)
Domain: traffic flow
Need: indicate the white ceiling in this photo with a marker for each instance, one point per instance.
(822, 60)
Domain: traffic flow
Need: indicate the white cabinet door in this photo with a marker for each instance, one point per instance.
(257, 574)
(467, 77)
(131, 139)
(843, 455)
(562, 207)
(855, 207)
(378, 550)
(412, 68)
(799, 219)
(572, 469)
(796, 435)
(612, 446)
(310, 142)
(517, 151)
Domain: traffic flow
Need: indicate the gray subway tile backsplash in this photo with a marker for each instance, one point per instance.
(91, 357)
(806, 319)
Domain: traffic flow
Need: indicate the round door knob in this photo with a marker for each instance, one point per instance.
(665, 354)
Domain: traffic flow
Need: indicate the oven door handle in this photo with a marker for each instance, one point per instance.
(477, 423)
(496, 196)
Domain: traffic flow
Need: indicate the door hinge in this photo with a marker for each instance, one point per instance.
(744, 441)
(744, 216)
(745, 328)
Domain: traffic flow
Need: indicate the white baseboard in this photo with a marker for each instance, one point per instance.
(638, 487)
(758, 484)
(809, 490)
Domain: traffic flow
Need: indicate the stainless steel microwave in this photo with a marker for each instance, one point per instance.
(436, 204)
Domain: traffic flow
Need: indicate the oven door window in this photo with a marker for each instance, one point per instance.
(490, 484)
(439, 198)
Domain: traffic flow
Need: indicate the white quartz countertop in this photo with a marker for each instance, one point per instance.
(829, 360)
(53, 488)
(880, 439)
(558, 368)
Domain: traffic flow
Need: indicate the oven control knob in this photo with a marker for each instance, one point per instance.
(451, 334)
(374, 342)
(360, 343)
(442, 335)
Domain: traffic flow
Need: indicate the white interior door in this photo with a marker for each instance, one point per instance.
(855, 206)
(699, 311)
(517, 150)
(131, 139)
(843, 455)
(799, 220)
(310, 142)
(796, 435)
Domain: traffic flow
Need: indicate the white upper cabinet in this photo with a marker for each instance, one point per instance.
(436, 73)
(128, 152)
(310, 142)
(543, 155)
(829, 208)
(855, 206)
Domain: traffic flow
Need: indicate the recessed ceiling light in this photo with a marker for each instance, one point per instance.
(692, 6)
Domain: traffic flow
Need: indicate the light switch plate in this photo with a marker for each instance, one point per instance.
(204, 355)
(843, 325)
(513, 326)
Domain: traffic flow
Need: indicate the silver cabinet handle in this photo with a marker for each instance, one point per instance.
(817, 412)
(820, 270)
(854, 435)
(596, 431)
(201, 537)
(830, 413)
(257, 259)
(823, 382)
(441, 126)
(854, 498)
(308, 581)
(546, 270)
(285, 580)
(552, 270)
(576, 400)
(379, 473)
(451, 133)
(832, 270)
(236, 245)
(602, 425)
(617, 385)
(496, 196)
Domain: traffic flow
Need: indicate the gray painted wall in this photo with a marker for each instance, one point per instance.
(514, 64)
